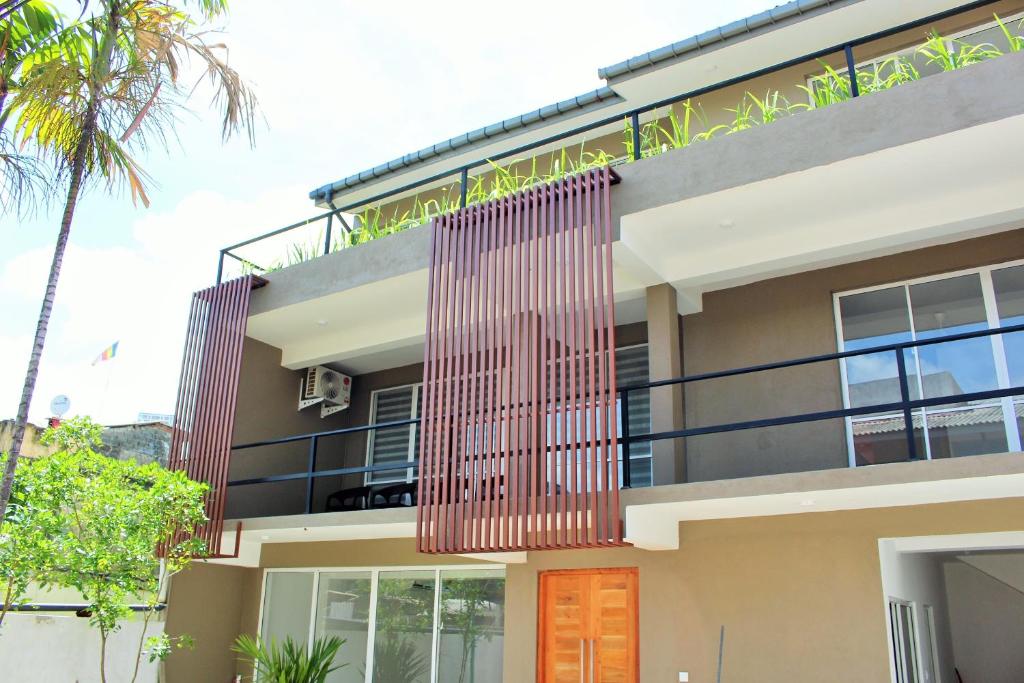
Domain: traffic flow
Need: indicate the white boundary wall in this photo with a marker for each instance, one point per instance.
(59, 648)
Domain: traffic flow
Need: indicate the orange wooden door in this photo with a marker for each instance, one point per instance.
(588, 624)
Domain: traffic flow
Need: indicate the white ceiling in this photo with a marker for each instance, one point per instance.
(381, 325)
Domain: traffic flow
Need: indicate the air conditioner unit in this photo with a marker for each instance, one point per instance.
(327, 387)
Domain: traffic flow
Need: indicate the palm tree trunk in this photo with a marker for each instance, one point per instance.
(8, 597)
(74, 188)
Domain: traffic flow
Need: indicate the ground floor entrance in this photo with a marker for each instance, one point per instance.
(902, 594)
(588, 626)
(955, 607)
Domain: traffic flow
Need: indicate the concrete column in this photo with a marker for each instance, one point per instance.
(665, 359)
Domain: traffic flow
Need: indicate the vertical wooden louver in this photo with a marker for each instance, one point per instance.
(205, 410)
(519, 443)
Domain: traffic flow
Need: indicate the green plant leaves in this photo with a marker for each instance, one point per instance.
(289, 662)
(81, 520)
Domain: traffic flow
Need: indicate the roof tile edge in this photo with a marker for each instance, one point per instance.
(682, 49)
(604, 95)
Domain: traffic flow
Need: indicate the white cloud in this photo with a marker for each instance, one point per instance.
(136, 294)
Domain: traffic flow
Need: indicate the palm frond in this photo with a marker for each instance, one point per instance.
(288, 662)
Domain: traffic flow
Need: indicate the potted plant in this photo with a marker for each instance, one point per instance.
(289, 662)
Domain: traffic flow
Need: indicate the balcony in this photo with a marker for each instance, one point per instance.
(946, 421)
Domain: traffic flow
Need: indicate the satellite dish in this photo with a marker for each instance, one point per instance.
(59, 405)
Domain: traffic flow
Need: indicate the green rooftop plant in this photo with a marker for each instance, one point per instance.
(677, 134)
(1015, 42)
(951, 55)
(753, 111)
(289, 662)
(502, 181)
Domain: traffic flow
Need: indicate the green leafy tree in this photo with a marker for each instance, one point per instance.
(84, 521)
(113, 86)
(26, 545)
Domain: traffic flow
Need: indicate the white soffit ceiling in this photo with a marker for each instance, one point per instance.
(381, 325)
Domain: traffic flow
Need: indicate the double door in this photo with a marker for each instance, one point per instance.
(588, 626)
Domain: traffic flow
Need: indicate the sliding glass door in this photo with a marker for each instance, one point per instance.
(399, 625)
(343, 610)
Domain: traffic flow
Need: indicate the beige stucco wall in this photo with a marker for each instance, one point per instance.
(800, 596)
(791, 317)
(31, 447)
(208, 603)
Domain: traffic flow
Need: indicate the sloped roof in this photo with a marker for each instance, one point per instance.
(683, 49)
(574, 105)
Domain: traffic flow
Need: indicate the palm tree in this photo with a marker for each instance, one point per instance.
(114, 86)
(29, 28)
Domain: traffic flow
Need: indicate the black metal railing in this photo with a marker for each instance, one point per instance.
(462, 171)
(311, 474)
(905, 407)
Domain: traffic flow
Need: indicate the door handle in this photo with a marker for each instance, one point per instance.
(593, 646)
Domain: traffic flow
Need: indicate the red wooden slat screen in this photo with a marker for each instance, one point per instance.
(204, 413)
(519, 446)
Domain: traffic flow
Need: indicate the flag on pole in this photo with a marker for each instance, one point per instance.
(107, 353)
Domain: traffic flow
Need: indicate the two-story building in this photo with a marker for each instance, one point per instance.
(715, 373)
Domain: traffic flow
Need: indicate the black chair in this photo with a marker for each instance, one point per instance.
(394, 496)
(345, 500)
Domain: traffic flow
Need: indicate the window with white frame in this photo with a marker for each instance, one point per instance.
(415, 625)
(965, 301)
(394, 445)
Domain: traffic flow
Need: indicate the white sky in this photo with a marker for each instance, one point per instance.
(343, 86)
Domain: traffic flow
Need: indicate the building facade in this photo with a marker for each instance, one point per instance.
(732, 389)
